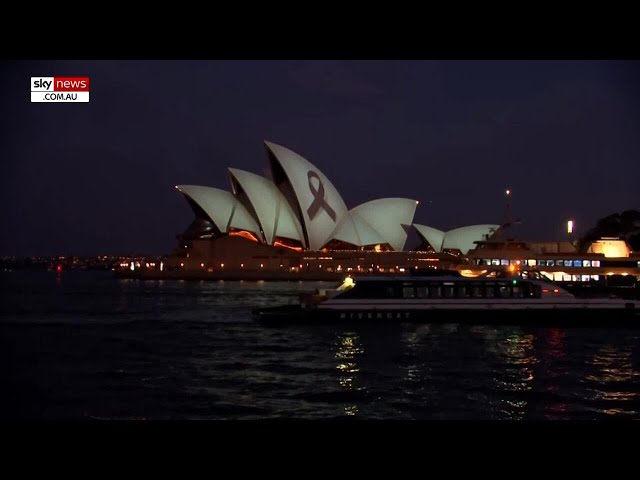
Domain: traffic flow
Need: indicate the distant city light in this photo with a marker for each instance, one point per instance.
(570, 226)
(508, 192)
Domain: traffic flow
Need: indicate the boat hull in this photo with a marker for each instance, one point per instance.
(625, 316)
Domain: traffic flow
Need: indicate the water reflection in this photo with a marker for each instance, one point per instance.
(613, 373)
(349, 349)
(555, 340)
(417, 337)
(518, 356)
(351, 410)
(554, 353)
(413, 343)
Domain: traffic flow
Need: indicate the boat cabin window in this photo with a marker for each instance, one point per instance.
(390, 292)
(364, 289)
(462, 291)
(477, 291)
(504, 291)
(408, 292)
(437, 290)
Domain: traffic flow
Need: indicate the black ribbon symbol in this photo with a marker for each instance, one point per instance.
(318, 198)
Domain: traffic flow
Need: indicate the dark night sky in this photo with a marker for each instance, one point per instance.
(98, 178)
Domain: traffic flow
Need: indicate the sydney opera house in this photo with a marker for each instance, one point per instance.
(297, 222)
(295, 225)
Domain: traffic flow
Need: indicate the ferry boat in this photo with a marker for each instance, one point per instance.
(607, 267)
(523, 299)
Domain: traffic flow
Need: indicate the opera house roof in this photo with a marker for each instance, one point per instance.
(300, 203)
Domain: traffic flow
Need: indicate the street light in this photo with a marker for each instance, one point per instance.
(570, 226)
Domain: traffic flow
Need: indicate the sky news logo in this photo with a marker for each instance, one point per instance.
(59, 89)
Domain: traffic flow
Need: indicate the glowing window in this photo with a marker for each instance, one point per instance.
(550, 263)
(541, 263)
(577, 263)
(495, 261)
(504, 261)
(596, 263)
(531, 262)
(586, 263)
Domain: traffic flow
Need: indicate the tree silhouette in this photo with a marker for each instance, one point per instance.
(625, 225)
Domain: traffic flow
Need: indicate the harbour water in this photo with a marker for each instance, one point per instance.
(85, 345)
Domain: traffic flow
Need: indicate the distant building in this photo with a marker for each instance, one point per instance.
(610, 247)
